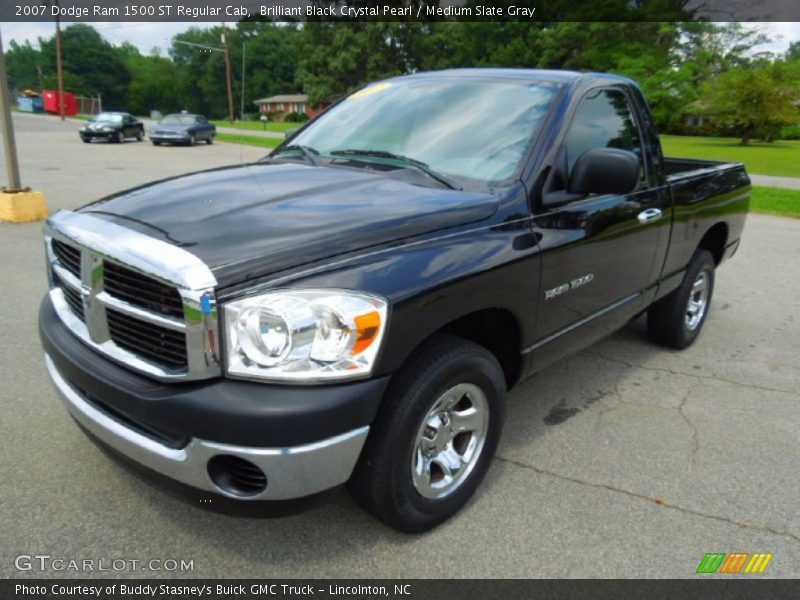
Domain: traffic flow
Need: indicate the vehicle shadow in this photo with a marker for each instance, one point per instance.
(338, 527)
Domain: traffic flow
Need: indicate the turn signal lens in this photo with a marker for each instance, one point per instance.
(367, 328)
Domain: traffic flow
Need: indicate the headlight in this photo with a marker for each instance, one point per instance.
(304, 335)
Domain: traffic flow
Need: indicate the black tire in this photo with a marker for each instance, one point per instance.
(210, 140)
(669, 321)
(119, 138)
(382, 482)
(155, 143)
(192, 140)
(140, 135)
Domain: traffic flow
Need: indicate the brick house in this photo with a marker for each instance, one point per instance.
(286, 103)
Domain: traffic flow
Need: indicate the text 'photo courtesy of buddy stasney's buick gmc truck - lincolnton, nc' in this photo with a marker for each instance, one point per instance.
(353, 308)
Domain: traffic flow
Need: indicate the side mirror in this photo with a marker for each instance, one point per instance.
(605, 171)
(290, 134)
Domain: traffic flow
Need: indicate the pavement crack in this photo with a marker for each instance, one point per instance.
(695, 433)
(674, 372)
(657, 501)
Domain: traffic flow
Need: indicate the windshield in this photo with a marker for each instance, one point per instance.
(475, 129)
(178, 120)
(108, 118)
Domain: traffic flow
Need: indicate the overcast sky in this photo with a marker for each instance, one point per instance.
(148, 35)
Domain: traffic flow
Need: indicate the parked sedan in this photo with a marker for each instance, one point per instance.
(112, 127)
(183, 128)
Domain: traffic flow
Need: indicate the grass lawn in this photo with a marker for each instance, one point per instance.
(776, 201)
(778, 158)
(257, 125)
(248, 140)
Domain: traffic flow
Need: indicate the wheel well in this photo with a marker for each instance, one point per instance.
(714, 241)
(495, 329)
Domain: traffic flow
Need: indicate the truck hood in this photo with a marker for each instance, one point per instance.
(249, 221)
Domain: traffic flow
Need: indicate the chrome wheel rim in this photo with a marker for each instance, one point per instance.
(449, 441)
(698, 301)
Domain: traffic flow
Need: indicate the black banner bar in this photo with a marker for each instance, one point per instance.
(526, 11)
(411, 589)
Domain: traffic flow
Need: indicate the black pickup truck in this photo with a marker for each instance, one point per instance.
(354, 307)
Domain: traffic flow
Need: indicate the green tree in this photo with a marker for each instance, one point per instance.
(754, 101)
(270, 61)
(152, 85)
(793, 53)
(23, 64)
(200, 82)
(92, 66)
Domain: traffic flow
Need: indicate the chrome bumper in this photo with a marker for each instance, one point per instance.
(291, 472)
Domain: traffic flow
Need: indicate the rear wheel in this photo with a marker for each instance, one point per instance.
(210, 140)
(677, 319)
(140, 135)
(435, 437)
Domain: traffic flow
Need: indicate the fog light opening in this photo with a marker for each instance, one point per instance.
(236, 475)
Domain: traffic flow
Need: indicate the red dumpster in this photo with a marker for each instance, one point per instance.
(51, 103)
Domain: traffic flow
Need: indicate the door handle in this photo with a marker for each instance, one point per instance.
(649, 215)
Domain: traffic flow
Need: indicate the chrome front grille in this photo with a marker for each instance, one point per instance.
(144, 303)
(72, 297)
(142, 291)
(69, 257)
(159, 344)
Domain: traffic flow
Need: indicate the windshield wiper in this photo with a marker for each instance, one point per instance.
(308, 152)
(412, 162)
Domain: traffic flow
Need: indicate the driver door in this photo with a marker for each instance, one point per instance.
(599, 251)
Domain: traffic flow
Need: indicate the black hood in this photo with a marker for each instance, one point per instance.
(252, 220)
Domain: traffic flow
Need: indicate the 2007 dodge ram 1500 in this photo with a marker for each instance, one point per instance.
(354, 307)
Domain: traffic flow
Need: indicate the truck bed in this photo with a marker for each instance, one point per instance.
(677, 167)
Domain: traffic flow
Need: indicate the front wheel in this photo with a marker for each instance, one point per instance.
(192, 140)
(119, 138)
(434, 438)
(676, 320)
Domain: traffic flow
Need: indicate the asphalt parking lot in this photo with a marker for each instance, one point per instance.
(623, 461)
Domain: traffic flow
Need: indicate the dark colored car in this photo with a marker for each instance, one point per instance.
(112, 127)
(354, 307)
(183, 128)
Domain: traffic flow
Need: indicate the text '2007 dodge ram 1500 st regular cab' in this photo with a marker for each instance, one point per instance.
(354, 307)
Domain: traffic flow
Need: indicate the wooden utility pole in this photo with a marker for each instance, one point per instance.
(9, 144)
(228, 73)
(17, 204)
(61, 108)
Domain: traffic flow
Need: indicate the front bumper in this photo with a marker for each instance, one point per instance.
(177, 138)
(305, 440)
(98, 135)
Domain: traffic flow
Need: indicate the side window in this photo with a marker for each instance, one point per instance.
(603, 120)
